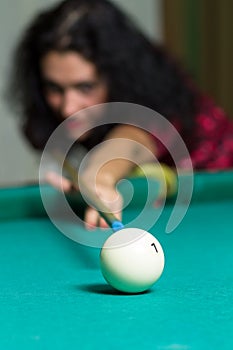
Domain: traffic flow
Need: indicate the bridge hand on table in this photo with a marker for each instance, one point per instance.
(107, 193)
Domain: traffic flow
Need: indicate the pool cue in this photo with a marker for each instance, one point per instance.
(92, 197)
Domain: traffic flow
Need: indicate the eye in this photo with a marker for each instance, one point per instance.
(51, 87)
(86, 88)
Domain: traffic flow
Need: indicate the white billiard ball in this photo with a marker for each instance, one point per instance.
(131, 260)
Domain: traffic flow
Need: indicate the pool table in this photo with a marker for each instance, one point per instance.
(53, 295)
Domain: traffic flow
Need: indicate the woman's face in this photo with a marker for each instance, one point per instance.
(71, 83)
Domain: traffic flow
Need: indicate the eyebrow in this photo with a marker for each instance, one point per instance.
(77, 85)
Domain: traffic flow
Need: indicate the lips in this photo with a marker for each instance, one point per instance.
(74, 124)
(77, 129)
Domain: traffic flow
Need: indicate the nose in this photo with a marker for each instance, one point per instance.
(72, 102)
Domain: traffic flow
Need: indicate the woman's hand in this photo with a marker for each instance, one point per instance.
(107, 164)
(103, 188)
(111, 199)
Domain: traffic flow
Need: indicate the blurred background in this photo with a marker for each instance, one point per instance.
(197, 32)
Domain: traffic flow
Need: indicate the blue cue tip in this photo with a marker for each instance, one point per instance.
(117, 225)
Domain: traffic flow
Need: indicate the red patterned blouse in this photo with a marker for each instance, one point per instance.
(213, 148)
(212, 139)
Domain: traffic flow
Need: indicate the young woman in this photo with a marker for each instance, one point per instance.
(82, 53)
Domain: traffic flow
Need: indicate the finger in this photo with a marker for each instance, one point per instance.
(103, 223)
(114, 202)
(57, 181)
(91, 218)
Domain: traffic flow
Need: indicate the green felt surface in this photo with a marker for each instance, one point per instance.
(53, 296)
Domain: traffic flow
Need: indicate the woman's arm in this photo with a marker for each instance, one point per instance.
(124, 147)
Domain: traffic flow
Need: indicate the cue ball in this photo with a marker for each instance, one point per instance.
(131, 260)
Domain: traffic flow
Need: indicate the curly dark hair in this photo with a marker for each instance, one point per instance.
(136, 70)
